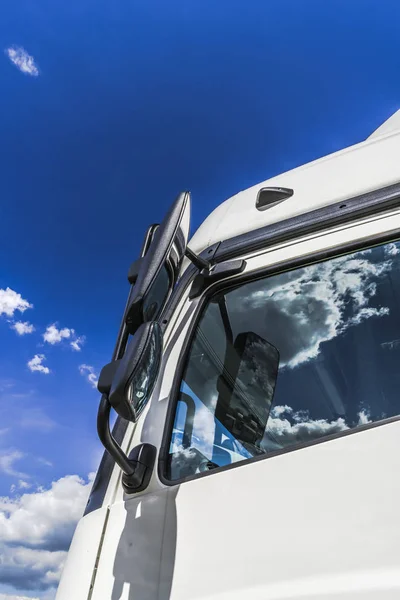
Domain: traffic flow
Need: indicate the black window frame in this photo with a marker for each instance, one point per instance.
(196, 314)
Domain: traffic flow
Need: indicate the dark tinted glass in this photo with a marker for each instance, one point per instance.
(157, 295)
(336, 327)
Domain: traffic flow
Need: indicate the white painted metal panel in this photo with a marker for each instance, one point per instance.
(78, 569)
(320, 522)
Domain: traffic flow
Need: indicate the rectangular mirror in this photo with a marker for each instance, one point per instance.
(246, 387)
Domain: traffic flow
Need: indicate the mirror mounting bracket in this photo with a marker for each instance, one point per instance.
(215, 273)
(138, 467)
(197, 260)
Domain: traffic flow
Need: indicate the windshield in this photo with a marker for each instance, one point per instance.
(334, 330)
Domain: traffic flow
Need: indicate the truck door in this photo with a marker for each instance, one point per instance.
(278, 463)
(294, 494)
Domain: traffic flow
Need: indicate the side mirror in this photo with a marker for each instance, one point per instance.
(128, 382)
(160, 265)
(247, 386)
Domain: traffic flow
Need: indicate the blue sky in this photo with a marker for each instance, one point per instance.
(127, 104)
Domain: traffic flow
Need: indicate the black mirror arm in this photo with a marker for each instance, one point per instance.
(197, 260)
(137, 468)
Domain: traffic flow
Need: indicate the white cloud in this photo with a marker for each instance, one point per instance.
(22, 328)
(22, 60)
(78, 343)
(54, 511)
(393, 345)
(20, 485)
(363, 418)
(392, 249)
(44, 461)
(53, 335)
(7, 460)
(301, 309)
(35, 532)
(89, 372)
(10, 301)
(281, 431)
(30, 569)
(35, 364)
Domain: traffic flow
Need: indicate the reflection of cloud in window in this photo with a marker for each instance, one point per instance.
(392, 249)
(393, 345)
(285, 427)
(303, 308)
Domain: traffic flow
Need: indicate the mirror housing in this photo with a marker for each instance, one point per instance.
(160, 265)
(247, 386)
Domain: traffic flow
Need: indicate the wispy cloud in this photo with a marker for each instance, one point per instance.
(22, 60)
(7, 460)
(20, 485)
(89, 372)
(44, 461)
(10, 301)
(53, 335)
(37, 420)
(22, 328)
(35, 364)
(78, 343)
(13, 597)
(392, 249)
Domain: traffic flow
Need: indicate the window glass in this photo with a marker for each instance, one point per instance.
(290, 358)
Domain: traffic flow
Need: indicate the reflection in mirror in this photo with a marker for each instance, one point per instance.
(246, 388)
(137, 371)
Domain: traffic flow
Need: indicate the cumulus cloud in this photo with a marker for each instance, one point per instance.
(90, 374)
(302, 309)
(22, 328)
(53, 335)
(31, 557)
(10, 301)
(55, 512)
(22, 60)
(35, 364)
(30, 569)
(286, 426)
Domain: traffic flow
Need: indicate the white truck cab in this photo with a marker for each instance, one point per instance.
(256, 377)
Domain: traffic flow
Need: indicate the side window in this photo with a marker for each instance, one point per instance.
(290, 358)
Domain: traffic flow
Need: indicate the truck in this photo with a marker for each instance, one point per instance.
(256, 380)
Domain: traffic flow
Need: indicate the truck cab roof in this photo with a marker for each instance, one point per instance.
(353, 171)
